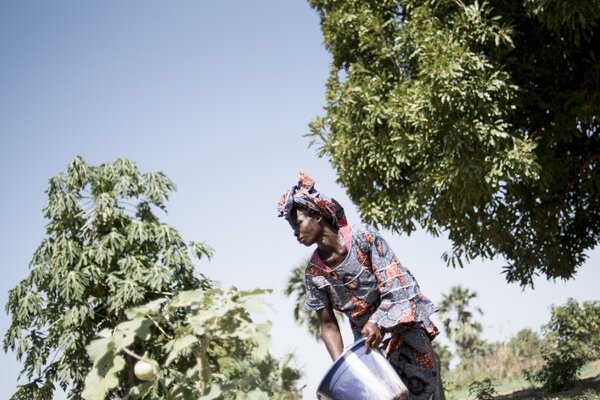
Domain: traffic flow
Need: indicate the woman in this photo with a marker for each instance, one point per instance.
(353, 270)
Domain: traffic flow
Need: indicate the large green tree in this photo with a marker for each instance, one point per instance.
(105, 251)
(476, 119)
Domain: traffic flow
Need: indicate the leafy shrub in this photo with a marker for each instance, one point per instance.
(590, 395)
(205, 343)
(482, 390)
(449, 386)
(572, 339)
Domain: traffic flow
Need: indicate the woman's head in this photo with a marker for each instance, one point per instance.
(304, 198)
(308, 226)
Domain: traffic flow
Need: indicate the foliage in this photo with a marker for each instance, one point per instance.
(449, 387)
(480, 359)
(207, 345)
(482, 390)
(295, 287)
(572, 338)
(525, 345)
(444, 356)
(475, 118)
(105, 251)
(524, 354)
(511, 367)
(590, 395)
(457, 315)
(499, 361)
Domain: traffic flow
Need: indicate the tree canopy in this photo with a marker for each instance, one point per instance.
(475, 119)
(74, 317)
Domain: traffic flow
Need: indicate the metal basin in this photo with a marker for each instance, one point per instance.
(361, 375)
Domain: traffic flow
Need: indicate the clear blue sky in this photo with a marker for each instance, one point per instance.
(217, 95)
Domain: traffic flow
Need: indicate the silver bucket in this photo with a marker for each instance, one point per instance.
(358, 374)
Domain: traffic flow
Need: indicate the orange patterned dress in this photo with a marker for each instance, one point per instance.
(372, 285)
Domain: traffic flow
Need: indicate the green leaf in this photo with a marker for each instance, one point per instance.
(101, 346)
(150, 308)
(262, 339)
(438, 120)
(103, 377)
(214, 392)
(187, 298)
(126, 332)
(256, 394)
(201, 250)
(253, 303)
(176, 346)
(106, 257)
(139, 391)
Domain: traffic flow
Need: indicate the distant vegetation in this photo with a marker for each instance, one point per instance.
(552, 360)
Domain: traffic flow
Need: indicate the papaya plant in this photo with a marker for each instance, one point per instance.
(199, 344)
(104, 252)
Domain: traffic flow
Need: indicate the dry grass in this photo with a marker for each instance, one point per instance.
(585, 389)
(517, 388)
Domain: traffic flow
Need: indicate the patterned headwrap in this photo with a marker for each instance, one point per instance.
(305, 195)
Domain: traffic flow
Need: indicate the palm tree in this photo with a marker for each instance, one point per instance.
(458, 319)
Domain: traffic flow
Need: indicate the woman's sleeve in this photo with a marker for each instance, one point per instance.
(402, 302)
(316, 299)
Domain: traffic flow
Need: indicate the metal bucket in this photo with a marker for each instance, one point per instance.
(361, 375)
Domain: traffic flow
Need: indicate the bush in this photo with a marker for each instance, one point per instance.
(482, 390)
(572, 339)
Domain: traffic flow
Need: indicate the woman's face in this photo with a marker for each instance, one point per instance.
(307, 229)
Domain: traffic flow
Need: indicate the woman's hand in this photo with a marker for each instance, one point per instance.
(373, 334)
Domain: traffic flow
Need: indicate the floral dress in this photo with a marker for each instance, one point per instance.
(371, 285)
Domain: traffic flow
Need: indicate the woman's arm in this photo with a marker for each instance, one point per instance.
(330, 332)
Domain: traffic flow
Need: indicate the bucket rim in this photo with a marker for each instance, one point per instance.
(338, 362)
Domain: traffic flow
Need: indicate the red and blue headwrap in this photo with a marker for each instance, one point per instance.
(304, 195)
